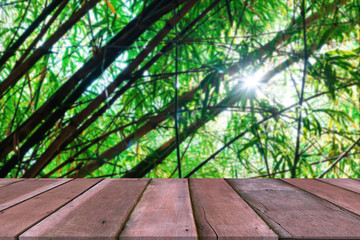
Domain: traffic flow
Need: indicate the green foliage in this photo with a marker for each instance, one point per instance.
(222, 93)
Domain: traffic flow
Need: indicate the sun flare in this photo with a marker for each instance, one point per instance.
(252, 81)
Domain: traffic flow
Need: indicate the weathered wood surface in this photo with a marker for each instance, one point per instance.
(339, 196)
(164, 211)
(221, 213)
(349, 184)
(17, 219)
(179, 209)
(17, 192)
(7, 181)
(294, 213)
(99, 213)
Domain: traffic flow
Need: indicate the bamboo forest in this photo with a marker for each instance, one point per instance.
(179, 88)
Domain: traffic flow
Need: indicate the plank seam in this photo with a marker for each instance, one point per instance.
(192, 208)
(24, 200)
(255, 209)
(32, 225)
(346, 211)
(337, 186)
(196, 223)
(117, 235)
(7, 184)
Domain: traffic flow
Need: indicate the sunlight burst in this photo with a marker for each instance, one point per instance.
(252, 81)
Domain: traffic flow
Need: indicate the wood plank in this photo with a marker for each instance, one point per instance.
(221, 213)
(99, 213)
(339, 196)
(347, 183)
(15, 193)
(7, 181)
(17, 219)
(163, 212)
(294, 213)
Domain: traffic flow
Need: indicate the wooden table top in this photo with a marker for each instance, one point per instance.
(179, 209)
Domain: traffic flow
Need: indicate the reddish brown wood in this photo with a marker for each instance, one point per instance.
(20, 191)
(128, 209)
(164, 212)
(17, 219)
(7, 181)
(99, 213)
(339, 196)
(350, 184)
(294, 213)
(220, 212)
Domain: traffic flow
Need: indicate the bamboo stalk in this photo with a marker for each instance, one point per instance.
(90, 70)
(92, 165)
(80, 117)
(233, 69)
(22, 69)
(15, 46)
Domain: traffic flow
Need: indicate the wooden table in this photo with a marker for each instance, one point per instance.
(179, 209)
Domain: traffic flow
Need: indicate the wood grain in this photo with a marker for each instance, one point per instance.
(99, 213)
(294, 213)
(220, 213)
(17, 219)
(339, 196)
(178, 209)
(350, 184)
(15, 193)
(163, 212)
(7, 181)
